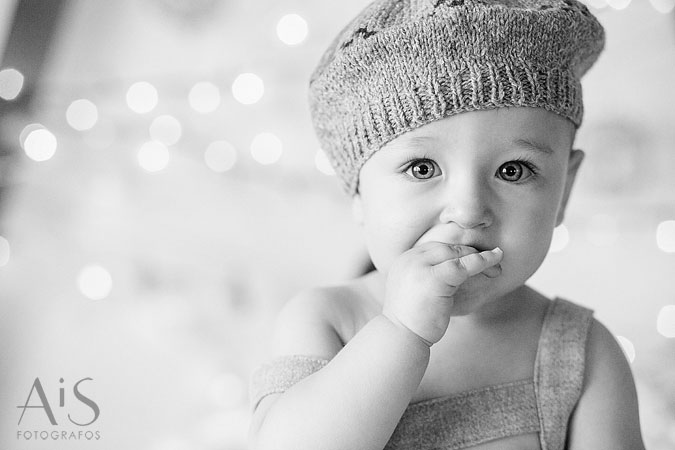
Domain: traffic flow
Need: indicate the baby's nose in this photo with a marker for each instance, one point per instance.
(468, 207)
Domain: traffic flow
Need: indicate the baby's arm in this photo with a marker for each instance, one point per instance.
(606, 417)
(358, 398)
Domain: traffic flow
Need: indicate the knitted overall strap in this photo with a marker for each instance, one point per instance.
(454, 422)
(467, 419)
(280, 374)
(559, 369)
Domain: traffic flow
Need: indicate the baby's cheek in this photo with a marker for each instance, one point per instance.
(389, 235)
(383, 243)
(525, 250)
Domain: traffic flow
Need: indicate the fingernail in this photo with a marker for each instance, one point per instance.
(497, 251)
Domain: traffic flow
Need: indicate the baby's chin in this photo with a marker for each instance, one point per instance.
(475, 293)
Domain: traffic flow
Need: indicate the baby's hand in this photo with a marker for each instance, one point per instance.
(422, 281)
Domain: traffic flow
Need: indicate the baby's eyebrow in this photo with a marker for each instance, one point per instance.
(534, 146)
(418, 141)
(406, 143)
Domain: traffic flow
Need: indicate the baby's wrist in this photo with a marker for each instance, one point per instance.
(396, 322)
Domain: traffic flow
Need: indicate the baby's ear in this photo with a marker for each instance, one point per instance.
(576, 158)
(357, 209)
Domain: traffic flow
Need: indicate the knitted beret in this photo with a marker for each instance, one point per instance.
(401, 64)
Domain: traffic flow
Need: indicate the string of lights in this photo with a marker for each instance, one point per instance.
(124, 161)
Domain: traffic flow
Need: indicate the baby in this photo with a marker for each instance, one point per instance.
(451, 123)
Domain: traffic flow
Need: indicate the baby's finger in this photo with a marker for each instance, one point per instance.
(493, 271)
(456, 271)
(436, 254)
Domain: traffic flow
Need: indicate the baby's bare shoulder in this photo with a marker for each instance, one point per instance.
(319, 321)
(606, 416)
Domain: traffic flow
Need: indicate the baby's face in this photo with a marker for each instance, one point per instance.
(494, 178)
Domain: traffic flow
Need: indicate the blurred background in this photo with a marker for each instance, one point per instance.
(162, 195)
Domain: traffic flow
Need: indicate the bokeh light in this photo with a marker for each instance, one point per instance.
(665, 236)
(142, 97)
(153, 156)
(663, 6)
(39, 143)
(292, 29)
(628, 347)
(82, 114)
(266, 148)
(602, 230)
(94, 282)
(248, 88)
(166, 129)
(5, 251)
(27, 130)
(220, 156)
(665, 321)
(204, 97)
(321, 162)
(11, 83)
(618, 4)
(561, 237)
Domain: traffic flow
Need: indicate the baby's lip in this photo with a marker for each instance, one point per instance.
(479, 247)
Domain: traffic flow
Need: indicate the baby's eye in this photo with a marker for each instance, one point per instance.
(422, 169)
(514, 171)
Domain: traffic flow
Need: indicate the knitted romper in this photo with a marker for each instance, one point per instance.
(542, 404)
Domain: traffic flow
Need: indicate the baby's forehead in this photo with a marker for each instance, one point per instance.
(533, 128)
(403, 63)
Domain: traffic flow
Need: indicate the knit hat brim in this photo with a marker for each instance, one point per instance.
(377, 84)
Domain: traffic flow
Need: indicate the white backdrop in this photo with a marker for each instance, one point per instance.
(191, 264)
